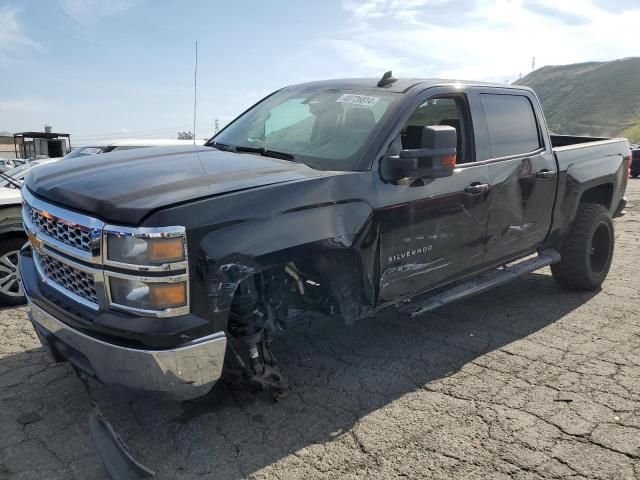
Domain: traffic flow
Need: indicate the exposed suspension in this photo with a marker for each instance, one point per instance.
(248, 324)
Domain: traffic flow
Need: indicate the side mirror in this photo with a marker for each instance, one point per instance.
(435, 158)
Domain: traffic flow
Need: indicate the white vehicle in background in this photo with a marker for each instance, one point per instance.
(12, 236)
(117, 145)
(6, 164)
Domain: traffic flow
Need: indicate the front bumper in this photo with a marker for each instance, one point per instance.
(183, 372)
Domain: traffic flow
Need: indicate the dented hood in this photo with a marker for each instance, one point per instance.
(124, 187)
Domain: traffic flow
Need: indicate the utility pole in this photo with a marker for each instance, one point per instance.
(216, 127)
(533, 63)
(195, 93)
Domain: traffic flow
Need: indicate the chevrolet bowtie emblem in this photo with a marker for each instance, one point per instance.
(34, 241)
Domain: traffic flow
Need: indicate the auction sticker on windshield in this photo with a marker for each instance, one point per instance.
(358, 99)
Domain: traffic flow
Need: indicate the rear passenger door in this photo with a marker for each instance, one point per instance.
(523, 173)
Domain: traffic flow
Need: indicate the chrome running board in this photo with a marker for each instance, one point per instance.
(485, 282)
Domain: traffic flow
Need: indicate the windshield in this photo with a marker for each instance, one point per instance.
(326, 129)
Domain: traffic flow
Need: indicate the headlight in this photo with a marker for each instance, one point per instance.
(160, 252)
(153, 248)
(148, 295)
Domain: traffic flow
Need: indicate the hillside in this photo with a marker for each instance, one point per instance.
(595, 98)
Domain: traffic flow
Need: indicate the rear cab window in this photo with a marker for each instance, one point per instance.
(511, 123)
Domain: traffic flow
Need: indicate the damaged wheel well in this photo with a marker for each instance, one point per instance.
(341, 273)
(328, 281)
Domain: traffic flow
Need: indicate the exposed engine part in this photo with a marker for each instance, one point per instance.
(293, 287)
(247, 324)
(343, 288)
(293, 273)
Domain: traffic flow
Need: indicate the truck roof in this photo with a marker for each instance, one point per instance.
(400, 85)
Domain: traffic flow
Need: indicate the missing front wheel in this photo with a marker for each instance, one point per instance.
(252, 364)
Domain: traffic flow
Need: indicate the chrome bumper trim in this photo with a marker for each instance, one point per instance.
(184, 372)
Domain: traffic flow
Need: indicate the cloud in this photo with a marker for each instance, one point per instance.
(570, 18)
(403, 10)
(481, 39)
(86, 12)
(13, 41)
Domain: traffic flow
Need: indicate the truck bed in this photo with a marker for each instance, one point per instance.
(588, 159)
(572, 140)
(593, 164)
(591, 158)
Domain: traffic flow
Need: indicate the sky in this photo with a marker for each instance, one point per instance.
(112, 69)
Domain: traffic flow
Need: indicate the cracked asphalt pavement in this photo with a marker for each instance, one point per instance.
(527, 381)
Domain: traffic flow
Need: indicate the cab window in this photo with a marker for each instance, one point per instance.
(438, 111)
(512, 125)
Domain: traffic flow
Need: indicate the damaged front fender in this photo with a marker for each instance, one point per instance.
(240, 234)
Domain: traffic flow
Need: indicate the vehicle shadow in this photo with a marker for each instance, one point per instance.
(337, 376)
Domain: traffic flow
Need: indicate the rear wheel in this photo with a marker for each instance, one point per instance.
(11, 292)
(587, 250)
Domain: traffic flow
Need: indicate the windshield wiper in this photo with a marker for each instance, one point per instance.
(11, 180)
(265, 152)
(224, 147)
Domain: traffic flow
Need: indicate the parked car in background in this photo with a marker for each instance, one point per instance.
(12, 236)
(9, 163)
(6, 164)
(635, 161)
(117, 145)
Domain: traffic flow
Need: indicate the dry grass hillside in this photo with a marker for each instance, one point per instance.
(595, 98)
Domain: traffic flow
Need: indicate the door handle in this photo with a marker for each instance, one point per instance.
(476, 188)
(545, 174)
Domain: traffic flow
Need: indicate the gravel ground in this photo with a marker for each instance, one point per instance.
(526, 381)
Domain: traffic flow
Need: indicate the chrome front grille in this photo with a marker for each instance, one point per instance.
(70, 255)
(68, 277)
(72, 234)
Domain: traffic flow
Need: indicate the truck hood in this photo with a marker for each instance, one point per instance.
(124, 187)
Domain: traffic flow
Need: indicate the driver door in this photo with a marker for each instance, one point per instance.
(433, 230)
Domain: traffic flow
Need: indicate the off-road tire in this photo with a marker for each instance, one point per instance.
(587, 250)
(14, 295)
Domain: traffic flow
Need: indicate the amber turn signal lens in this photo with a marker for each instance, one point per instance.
(168, 295)
(449, 161)
(165, 250)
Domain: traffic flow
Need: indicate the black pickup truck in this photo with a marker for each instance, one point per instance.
(341, 196)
